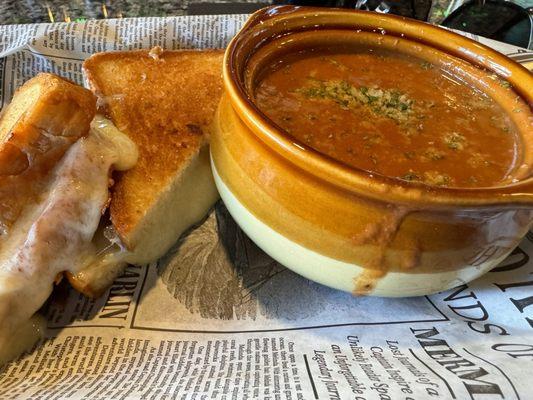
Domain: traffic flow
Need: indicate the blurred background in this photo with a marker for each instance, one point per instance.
(508, 21)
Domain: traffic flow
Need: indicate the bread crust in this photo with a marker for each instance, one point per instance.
(164, 101)
(46, 116)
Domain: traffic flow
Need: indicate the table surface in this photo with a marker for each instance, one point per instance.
(30, 11)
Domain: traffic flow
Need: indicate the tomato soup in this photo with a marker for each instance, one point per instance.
(392, 114)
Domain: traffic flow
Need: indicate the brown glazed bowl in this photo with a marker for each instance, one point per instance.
(344, 227)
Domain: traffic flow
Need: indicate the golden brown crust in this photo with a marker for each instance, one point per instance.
(46, 116)
(163, 100)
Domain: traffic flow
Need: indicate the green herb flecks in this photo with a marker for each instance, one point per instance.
(505, 84)
(455, 141)
(433, 154)
(502, 82)
(433, 178)
(436, 178)
(388, 103)
(410, 176)
(426, 65)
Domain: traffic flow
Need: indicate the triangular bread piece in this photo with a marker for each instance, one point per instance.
(164, 101)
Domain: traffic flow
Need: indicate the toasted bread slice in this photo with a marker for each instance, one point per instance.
(164, 101)
(45, 117)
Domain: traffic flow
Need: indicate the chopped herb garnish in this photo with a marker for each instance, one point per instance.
(430, 178)
(433, 154)
(388, 103)
(410, 176)
(455, 141)
(316, 92)
(436, 178)
(505, 84)
(426, 65)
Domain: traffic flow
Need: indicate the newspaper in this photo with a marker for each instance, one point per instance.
(216, 318)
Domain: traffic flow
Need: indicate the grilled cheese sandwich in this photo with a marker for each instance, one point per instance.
(164, 101)
(53, 228)
(94, 193)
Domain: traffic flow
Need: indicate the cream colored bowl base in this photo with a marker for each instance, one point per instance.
(337, 274)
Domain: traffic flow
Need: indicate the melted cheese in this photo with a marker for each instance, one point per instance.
(56, 234)
(185, 202)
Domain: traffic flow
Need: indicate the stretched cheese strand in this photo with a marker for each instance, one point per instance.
(56, 235)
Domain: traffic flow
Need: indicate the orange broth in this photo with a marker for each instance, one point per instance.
(396, 115)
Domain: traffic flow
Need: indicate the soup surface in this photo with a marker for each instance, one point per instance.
(393, 114)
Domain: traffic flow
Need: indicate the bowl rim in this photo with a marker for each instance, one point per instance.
(358, 180)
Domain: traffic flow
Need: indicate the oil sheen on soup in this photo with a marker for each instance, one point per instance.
(392, 114)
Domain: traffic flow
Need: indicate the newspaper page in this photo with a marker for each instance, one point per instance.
(216, 318)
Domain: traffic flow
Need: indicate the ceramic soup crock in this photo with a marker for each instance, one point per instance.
(348, 228)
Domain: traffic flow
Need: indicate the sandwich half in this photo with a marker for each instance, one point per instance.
(164, 101)
(55, 168)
